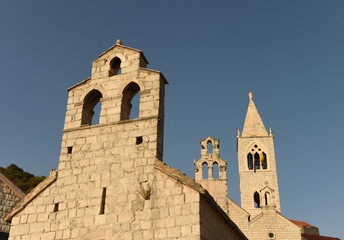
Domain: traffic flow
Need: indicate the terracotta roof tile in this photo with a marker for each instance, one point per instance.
(301, 223)
(317, 237)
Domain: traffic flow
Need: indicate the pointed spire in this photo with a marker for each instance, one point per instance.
(253, 125)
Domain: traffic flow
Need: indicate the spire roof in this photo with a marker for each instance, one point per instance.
(253, 125)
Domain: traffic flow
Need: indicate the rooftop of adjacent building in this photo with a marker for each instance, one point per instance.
(317, 237)
(11, 185)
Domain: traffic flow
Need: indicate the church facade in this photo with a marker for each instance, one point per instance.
(111, 182)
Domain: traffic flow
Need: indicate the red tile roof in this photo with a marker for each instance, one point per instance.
(317, 237)
(301, 223)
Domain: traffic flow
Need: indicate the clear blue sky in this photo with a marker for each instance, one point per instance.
(289, 53)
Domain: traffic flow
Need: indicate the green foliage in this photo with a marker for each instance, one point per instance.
(23, 180)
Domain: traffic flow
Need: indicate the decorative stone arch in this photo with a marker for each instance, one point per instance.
(253, 148)
(114, 55)
(215, 143)
(90, 88)
(267, 196)
(125, 83)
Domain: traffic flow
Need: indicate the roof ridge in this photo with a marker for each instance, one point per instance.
(11, 185)
(32, 195)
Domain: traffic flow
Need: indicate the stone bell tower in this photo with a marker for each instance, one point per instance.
(257, 165)
(118, 75)
(205, 167)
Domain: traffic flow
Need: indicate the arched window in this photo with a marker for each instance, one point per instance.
(263, 160)
(115, 67)
(216, 171)
(256, 161)
(204, 171)
(267, 198)
(256, 200)
(250, 161)
(209, 147)
(129, 92)
(258, 158)
(90, 101)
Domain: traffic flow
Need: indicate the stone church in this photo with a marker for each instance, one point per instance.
(111, 182)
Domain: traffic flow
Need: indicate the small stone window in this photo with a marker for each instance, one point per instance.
(139, 140)
(56, 207)
(69, 150)
(256, 198)
(102, 204)
(267, 198)
(271, 235)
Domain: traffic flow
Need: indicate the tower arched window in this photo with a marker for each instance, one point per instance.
(209, 147)
(90, 101)
(129, 92)
(205, 171)
(256, 199)
(115, 67)
(263, 160)
(216, 172)
(250, 161)
(256, 161)
(267, 198)
(256, 158)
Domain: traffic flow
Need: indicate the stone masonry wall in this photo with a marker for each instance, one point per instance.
(213, 225)
(8, 200)
(174, 211)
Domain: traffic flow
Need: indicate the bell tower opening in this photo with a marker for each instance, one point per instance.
(90, 101)
(129, 92)
(209, 147)
(115, 67)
